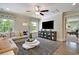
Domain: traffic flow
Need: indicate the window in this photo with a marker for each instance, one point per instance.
(74, 25)
(6, 25)
(34, 26)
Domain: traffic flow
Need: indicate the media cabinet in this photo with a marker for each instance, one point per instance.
(51, 35)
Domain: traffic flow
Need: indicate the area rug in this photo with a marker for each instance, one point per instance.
(46, 47)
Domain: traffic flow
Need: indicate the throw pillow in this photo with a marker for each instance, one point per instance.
(24, 32)
(20, 33)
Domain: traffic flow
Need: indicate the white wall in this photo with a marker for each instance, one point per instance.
(50, 18)
(57, 25)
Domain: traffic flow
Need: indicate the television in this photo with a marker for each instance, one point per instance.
(48, 25)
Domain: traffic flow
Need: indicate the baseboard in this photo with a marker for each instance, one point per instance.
(61, 40)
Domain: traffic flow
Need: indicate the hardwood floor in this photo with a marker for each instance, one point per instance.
(68, 48)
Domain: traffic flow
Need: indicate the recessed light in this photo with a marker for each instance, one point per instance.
(73, 3)
(7, 8)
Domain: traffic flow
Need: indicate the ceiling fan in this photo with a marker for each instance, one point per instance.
(38, 11)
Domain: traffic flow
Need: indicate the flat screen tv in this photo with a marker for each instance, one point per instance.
(48, 25)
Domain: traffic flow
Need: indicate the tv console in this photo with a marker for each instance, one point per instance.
(51, 35)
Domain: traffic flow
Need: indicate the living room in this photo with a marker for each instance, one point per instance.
(29, 30)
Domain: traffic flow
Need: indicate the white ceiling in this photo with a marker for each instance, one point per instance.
(21, 8)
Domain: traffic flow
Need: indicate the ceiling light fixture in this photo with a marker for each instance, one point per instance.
(37, 13)
(36, 8)
(7, 8)
(73, 3)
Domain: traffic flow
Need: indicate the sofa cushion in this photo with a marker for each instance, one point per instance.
(12, 34)
(16, 33)
(20, 33)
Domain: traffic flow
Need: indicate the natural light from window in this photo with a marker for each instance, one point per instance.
(6, 25)
(33, 27)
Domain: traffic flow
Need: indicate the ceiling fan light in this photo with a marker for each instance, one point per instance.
(36, 8)
(37, 13)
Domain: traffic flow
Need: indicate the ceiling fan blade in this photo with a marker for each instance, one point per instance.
(44, 11)
(42, 14)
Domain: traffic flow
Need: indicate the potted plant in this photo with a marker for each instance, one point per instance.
(30, 35)
(30, 38)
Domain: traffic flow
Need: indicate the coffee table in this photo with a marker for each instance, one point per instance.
(32, 44)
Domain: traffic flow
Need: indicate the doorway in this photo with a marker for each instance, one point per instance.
(72, 28)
